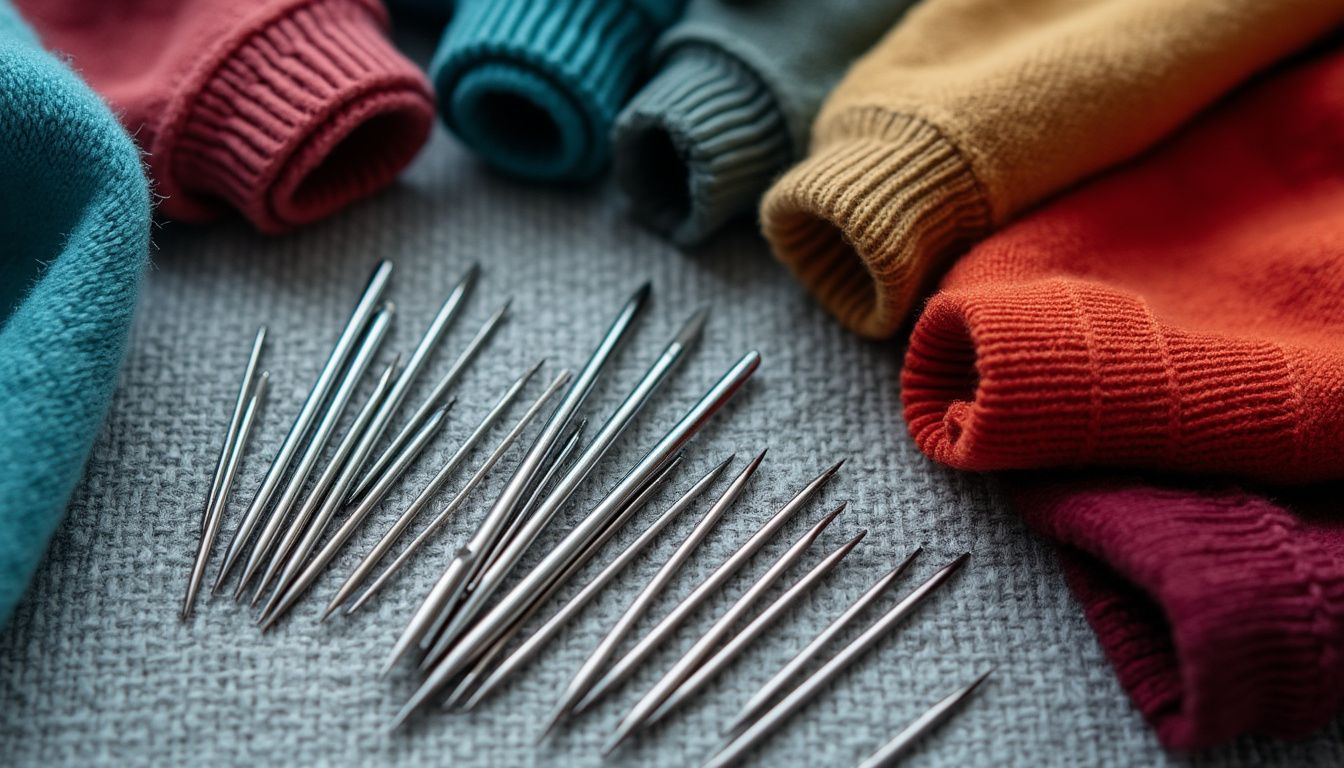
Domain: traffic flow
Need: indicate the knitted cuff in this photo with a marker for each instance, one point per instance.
(1223, 614)
(698, 144)
(312, 111)
(1058, 372)
(868, 218)
(532, 86)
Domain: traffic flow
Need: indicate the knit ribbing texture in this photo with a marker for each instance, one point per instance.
(697, 144)
(284, 110)
(691, 155)
(1009, 103)
(532, 86)
(1222, 612)
(76, 236)
(1178, 314)
(1182, 313)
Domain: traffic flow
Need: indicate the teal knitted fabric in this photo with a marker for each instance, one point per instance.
(74, 238)
(532, 86)
(736, 87)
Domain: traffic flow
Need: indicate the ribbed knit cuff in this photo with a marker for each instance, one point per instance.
(698, 145)
(872, 214)
(1059, 372)
(1223, 614)
(532, 86)
(312, 111)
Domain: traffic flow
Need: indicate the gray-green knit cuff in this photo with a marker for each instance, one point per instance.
(699, 144)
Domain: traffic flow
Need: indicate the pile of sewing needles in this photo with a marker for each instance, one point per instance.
(465, 624)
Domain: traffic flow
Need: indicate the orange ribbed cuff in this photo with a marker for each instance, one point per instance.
(867, 220)
(1060, 372)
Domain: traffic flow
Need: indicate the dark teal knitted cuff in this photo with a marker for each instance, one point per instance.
(698, 145)
(532, 86)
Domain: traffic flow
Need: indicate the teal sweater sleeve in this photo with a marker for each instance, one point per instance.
(532, 86)
(735, 89)
(74, 238)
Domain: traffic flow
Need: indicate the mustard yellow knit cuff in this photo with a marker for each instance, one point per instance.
(873, 214)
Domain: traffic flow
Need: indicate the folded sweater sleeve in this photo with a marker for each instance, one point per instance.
(532, 86)
(1181, 313)
(969, 111)
(1222, 611)
(733, 94)
(75, 229)
(284, 110)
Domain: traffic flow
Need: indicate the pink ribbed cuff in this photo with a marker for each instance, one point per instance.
(1222, 613)
(1062, 372)
(311, 111)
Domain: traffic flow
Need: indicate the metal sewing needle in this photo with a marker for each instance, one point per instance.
(215, 516)
(590, 526)
(370, 561)
(460, 605)
(606, 437)
(429, 341)
(516, 601)
(437, 602)
(317, 497)
(660, 633)
(547, 632)
(776, 684)
(235, 421)
(487, 660)
(340, 353)
(717, 633)
(432, 401)
(593, 666)
(292, 589)
(537, 495)
(809, 688)
(890, 753)
(359, 365)
(725, 655)
(335, 499)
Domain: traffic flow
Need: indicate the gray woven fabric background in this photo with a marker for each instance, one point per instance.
(96, 668)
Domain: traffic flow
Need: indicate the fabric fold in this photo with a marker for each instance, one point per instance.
(1221, 611)
(735, 88)
(1179, 314)
(284, 110)
(1016, 102)
(532, 86)
(76, 236)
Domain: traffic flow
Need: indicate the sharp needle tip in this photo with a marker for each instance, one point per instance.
(616, 741)
(756, 462)
(556, 719)
(834, 513)
(694, 326)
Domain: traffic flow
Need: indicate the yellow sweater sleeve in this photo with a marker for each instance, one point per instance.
(969, 111)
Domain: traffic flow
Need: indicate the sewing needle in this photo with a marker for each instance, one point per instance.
(340, 353)
(718, 631)
(810, 686)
